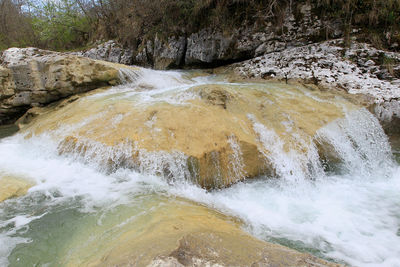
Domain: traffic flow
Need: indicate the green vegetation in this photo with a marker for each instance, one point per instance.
(379, 19)
(69, 24)
(60, 25)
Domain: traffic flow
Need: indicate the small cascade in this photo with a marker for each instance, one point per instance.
(236, 165)
(126, 155)
(128, 75)
(357, 143)
(153, 79)
(292, 165)
(102, 157)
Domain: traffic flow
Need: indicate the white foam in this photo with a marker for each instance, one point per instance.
(344, 217)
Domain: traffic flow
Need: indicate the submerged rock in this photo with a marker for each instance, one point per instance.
(31, 77)
(178, 233)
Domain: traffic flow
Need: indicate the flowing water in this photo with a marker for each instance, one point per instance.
(341, 204)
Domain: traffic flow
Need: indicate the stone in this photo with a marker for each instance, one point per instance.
(178, 233)
(206, 47)
(11, 186)
(31, 77)
(170, 54)
(7, 85)
(211, 139)
(388, 114)
(212, 46)
(323, 64)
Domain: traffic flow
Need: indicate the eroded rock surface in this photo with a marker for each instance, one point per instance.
(31, 77)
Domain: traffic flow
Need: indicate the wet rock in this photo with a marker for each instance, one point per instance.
(31, 77)
(13, 187)
(388, 114)
(178, 233)
(218, 249)
(212, 138)
(216, 96)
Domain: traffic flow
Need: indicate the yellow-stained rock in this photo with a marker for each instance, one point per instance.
(13, 187)
(30, 77)
(212, 137)
(182, 233)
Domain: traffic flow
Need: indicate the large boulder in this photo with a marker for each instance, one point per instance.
(31, 77)
(170, 54)
(214, 135)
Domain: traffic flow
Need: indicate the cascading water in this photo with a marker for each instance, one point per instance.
(337, 195)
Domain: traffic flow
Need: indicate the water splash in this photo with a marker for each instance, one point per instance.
(357, 143)
(291, 165)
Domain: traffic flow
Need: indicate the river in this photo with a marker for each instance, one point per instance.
(346, 210)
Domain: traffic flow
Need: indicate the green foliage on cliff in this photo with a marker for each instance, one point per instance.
(67, 24)
(60, 24)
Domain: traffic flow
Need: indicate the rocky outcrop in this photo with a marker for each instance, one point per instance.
(212, 47)
(109, 51)
(31, 77)
(162, 54)
(361, 70)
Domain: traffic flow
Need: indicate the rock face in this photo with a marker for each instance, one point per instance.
(31, 77)
(361, 70)
(109, 51)
(212, 47)
(214, 135)
(178, 233)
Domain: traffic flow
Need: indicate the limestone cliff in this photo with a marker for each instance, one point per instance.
(213, 46)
